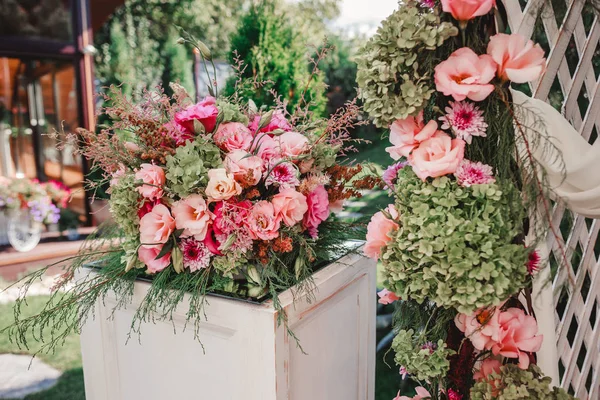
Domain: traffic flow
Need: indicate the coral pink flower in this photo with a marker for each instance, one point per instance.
(387, 297)
(232, 136)
(116, 176)
(440, 155)
(193, 216)
(406, 134)
(318, 210)
(204, 112)
(153, 179)
(278, 121)
(284, 175)
(290, 206)
(422, 394)
(379, 231)
(196, 255)
(471, 173)
(244, 166)
(263, 222)
(221, 185)
(230, 216)
(519, 60)
(465, 74)
(146, 207)
(292, 144)
(488, 366)
(465, 120)
(148, 254)
(177, 133)
(481, 328)
(465, 10)
(391, 174)
(157, 226)
(266, 148)
(517, 336)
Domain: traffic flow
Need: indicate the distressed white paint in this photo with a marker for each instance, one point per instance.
(247, 355)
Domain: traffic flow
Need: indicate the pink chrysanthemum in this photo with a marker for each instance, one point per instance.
(533, 263)
(285, 175)
(241, 244)
(391, 174)
(474, 173)
(465, 119)
(195, 254)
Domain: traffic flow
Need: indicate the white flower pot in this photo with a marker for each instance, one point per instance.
(247, 355)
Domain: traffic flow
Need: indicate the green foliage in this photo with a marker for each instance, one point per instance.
(392, 82)
(177, 66)
(274, 57)
(422, 360)
(455, 244)
(187, 169)
(125, 198)
(513, 383)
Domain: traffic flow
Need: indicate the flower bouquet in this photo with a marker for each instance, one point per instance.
(453, 245)
(42, 200)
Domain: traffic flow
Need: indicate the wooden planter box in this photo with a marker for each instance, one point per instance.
(247, 356)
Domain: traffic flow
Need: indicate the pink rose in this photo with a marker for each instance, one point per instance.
(292, 144)
(482, 334)
(488, 366)
(290, 206)
(221, 185)
(157, 226)
(318, 209)
(422, 394)
(278, 121)
(266, 148)
(465, 10)
(205, 112)
(153, 178)
(387, 297)
(193, 216)
(379, 232)
(465, 74)
(519, 60)
(263, 222)
(406, 134)
(148, 254)
(246, 168)
(233, 136)
(211, 243)
(517, 336)
(437, 156)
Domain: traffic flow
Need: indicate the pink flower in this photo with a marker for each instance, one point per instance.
(117, 175)
(454, 395)
(387, 297)
(232, 136)
(132, 147)
(196, 255)
(465, 10)
(193, 216)
(336, 206)
(263, 222)
(278, 121)
(391, 174)
(533, 262)
(204, 112)
(437, 156)
(465, 74)
(266, 148)
(465, 120)
(488, 366)
(246, 168)
(517, 336)
(292, 144)
(146, 207)
(379, 232)
(403, 372)
(471, 173)
(422, 394)
(157, 226)
(406, 134)
(153, 179)
(148, 254)
(481, 328)
(221, 185)
(519, 60)
(290, 206)
(284, 175)
(230, 216)
(211, 243)
(318, 209)
(177, 133)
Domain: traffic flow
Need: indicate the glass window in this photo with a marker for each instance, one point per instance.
(47, 19)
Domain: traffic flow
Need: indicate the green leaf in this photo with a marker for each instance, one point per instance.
(165, 250)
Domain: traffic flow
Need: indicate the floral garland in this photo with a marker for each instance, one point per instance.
(42, 200)
(452, 244)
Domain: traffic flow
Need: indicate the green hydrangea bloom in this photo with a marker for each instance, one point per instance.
(124, 201)
(187, 169)
(455, 244)
(230, 112)
(391, 82)
(422, 362)
(513, 383)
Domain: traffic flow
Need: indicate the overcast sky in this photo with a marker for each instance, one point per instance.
(364, 12)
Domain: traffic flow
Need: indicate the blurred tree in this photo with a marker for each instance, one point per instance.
(311, 18)
(275, 59)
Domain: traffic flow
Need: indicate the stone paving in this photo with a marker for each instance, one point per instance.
(20, 375)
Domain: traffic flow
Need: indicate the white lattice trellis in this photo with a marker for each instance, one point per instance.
(572, 31)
